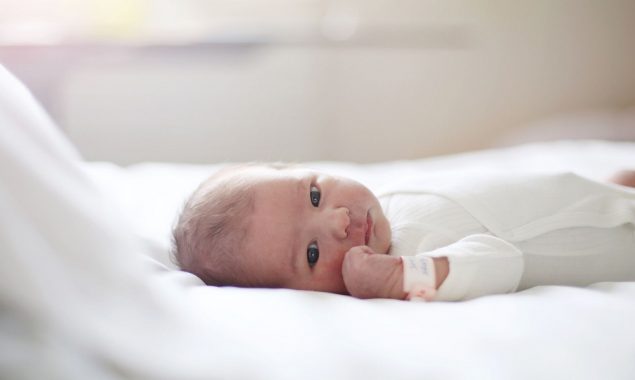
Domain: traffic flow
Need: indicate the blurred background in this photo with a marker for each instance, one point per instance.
(234, 80)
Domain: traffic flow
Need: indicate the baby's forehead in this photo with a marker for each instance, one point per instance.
(269, 241)
(278, 199)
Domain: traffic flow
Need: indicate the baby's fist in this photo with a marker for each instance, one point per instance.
(371, 275)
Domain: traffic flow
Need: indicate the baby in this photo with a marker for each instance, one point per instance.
(285, 226)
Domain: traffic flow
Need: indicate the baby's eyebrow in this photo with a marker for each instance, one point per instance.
(295, 249)
(296, 245)
(301, 185)
(292, 258)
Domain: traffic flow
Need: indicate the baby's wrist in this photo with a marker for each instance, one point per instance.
(441, 270)
(398, 281)
(419, 277)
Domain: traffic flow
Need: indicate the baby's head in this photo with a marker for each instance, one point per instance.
(277, 226)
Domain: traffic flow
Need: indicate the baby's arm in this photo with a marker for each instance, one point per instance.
(370, 275)
(476, 265)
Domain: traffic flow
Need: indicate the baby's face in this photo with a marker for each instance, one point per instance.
(303, 224)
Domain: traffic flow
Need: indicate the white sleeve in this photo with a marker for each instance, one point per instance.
(478, 265)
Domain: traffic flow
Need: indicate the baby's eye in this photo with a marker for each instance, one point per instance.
(315, 195)
(312, 254)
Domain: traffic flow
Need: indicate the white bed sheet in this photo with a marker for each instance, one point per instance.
(545, 332)
(81, 300)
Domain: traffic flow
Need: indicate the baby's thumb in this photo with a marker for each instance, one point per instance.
(352, 268)
(353, 259)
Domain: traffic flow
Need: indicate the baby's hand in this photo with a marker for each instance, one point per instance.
(371, 275)
(624, 178)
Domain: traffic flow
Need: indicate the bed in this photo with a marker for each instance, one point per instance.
(88, 290)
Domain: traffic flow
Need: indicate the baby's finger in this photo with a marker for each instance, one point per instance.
(361, 249)
(353, 259)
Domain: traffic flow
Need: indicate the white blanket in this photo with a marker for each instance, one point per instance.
(80, 298)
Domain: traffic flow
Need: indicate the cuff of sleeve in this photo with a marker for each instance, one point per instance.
(479, 266)
(469, 280)
(455, 287)
(419, 277)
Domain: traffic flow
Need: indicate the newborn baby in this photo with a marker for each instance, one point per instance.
(286, 226)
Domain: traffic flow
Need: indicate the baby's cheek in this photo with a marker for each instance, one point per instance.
(334, 266)
(333, 270)
(333, 281)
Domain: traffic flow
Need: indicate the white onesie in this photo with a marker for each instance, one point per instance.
(505, 233)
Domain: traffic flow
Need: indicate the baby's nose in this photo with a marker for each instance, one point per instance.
(341, 221)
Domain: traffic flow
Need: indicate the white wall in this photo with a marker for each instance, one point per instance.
(419, 78)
